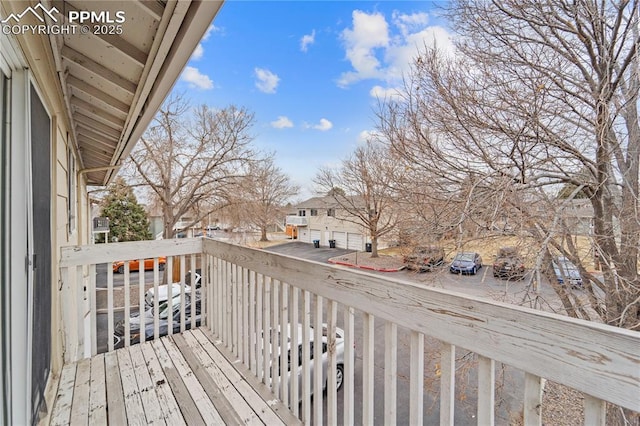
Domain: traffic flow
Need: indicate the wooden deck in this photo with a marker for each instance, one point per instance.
(176, 380)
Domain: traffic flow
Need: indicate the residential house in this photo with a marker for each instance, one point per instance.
(578, 216)
(323, 219)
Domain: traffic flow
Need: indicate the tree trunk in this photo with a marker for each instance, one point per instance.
(263, 233)
(374, 246)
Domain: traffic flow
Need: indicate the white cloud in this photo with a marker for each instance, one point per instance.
(378, 50)
(410, 23)
(267, 81)
(195, 79)
(367, 135)
(306, 40)
(324, 125)
(212, 29)
(382, 93)
(369, 32)
(198, 52)
(282, 122)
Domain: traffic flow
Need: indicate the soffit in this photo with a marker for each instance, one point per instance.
(114, 83)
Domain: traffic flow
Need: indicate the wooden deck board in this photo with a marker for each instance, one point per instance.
(255, 393)
(214, 392)
(187, 406)
(204, 367)
(80, 404)
(168, 404)
(98, 396)
(61, 414)
(132, 399)
(148, 395)
(115, 398)
(176, 380)
(205, 406)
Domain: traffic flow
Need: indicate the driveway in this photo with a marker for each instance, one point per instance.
(307, 251)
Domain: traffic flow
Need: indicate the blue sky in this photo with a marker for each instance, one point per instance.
(311, 71)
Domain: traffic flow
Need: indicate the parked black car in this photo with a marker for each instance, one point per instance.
(508, 264)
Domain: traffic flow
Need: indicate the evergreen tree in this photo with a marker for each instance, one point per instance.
(127, 219)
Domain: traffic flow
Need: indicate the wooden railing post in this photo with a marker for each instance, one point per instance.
(447, 383)
(486, 391)
(390, 372)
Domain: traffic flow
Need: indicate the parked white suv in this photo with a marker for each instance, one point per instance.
(325, 357)
(174, 289)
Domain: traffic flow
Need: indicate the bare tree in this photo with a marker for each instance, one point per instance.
(192, 159)
(362, 189)
(265, 191)
(540, 95)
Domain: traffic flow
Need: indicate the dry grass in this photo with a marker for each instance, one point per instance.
(487, 247)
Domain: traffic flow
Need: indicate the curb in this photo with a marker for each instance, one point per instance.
(368, 268)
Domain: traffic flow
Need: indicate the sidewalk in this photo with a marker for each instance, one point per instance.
(363, 260)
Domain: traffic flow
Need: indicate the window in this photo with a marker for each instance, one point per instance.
(302, 212)
(314, 212)
(331, 212)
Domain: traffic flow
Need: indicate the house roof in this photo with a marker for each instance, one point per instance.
(113, 84)
(328, 201)
(318, 203)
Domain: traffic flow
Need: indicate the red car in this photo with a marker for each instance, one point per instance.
(134, 265)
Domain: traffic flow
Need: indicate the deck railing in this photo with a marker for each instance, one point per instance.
(250, 297)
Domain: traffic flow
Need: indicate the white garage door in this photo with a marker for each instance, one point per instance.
(341, 239)
(304, 235)
(354, 241)
(316, 235)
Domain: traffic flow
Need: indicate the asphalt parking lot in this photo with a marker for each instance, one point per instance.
(307, 251)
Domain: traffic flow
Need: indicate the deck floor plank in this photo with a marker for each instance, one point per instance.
(80, 405)
(115, 398)
(184, 379)
(148, 395)
(132, 398)
(98, 395)
(184, 400)
(267, 413)
(200, 397)
(229, 403)
(168, 404)
(61, 414)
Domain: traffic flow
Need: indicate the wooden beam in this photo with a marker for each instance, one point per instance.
(107, 141)
(97, 69)
(101, 96)
(153, 8)
(96, 152)
(96, 125)
(95, 110)
(138, 56)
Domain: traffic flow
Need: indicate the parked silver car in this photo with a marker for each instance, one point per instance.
(566, 272)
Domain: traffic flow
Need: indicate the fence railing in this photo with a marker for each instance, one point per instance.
(267, 308)
(100, 279)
